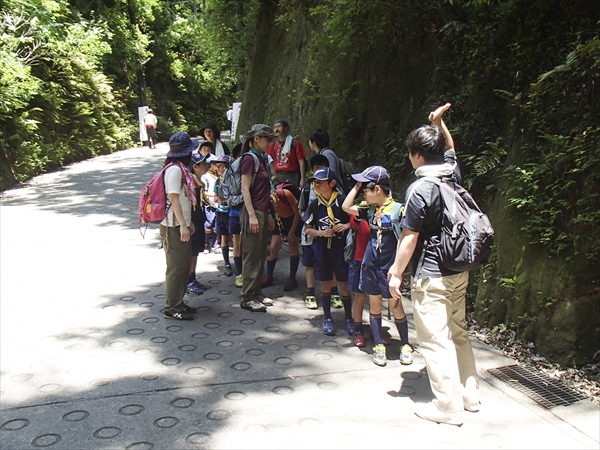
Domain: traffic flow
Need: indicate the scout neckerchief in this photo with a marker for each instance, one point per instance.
(328, 205)
(377, 221)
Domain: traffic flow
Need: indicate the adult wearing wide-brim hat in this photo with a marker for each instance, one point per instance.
(255, 217)
(211, 133)
(176, 228)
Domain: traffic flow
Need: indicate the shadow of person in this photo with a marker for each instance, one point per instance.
(415, 385)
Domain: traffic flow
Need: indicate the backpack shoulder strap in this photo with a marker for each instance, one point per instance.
(371, 213)
(397, 211)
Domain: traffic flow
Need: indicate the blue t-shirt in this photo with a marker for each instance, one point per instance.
(381, 251)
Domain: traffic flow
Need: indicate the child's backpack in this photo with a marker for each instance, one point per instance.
(467, 234)
(286, 185)
(346, 180)
(350, 247)
(153, 203)
(230, 189)
(397, 211)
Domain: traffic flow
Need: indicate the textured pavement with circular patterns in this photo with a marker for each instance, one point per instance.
(89, 361)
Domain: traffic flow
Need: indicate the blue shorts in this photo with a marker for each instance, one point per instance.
(211, 215)
(308, 256)
(329, 261)
(354, 277)
(234, 225)
(374, 281)
(222, 224)
(287, 226)
(197, 241)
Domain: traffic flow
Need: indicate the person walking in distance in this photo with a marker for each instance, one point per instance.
(438, 294)
(151, 122)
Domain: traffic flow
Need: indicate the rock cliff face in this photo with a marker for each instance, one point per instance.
(369, 98)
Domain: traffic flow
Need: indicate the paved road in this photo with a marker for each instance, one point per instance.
(88, 361)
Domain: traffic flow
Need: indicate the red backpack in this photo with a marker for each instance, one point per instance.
(153, 200)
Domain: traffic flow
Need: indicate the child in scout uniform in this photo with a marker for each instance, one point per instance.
(222, 214)
(328, 223)
(382, 214)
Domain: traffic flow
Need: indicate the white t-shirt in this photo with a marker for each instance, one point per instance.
(209, 181)
(174, 185)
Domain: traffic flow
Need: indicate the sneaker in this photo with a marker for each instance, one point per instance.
(189, 309)
(266, 282)
(290, 285)
(350, 327)
(328, 327)
(406, 354)
(239, 280)
(206, 251)
(201, 286)
(181, 315)
(379, 356)
(266, 301)
(215, 250)
(336, 301)
(359, 340)
(253, 305)
(429, 411)
(227, 271)
(310, 301)
(472, 407)
(192, 288)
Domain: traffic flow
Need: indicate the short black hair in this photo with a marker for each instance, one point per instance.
(429, 142)
(207, 144)
(284, 123)
(384, 187)
(319, 160)
(319, 137)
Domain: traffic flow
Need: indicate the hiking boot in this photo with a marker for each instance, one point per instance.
(227, 271)
(359, 340)
(406, 354)
(429, 411)
(266, 282)
(328, 327)
(192, 288)
(239, 280)
(350, 327)
(379, 356)
(310, 301)
(336, 301)
(266, 300)
(290, 285)
(189, 309)
(253, 305)
(181, 315)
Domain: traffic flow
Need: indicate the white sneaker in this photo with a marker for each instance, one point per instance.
(429, 411)
(266, 300)
(472, 407)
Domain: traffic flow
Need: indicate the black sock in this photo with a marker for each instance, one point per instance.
(358, 327)
(271, 267)
(191, 277)
(310, 291)
(334, 290)
(375, 321)
(294, 262)
(225, 253)
(402, 326)
(347, 302)
(326, 300)
(237, 260)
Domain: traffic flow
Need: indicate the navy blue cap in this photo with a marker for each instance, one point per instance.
(324, 173)
(374, 174)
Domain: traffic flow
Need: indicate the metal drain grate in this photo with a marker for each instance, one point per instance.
(548, 393)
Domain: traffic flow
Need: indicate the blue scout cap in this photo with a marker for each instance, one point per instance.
(375, 174)
(324, 173)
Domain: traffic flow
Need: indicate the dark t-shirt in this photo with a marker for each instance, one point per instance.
(423, 214)
(316, 216)
(261, 190)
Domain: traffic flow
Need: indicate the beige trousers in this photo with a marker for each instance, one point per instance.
(439, 313)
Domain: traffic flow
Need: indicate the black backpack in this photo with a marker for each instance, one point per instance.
(467, 235)
(346, 180)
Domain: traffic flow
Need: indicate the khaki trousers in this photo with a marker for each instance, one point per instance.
(439, 313)
(179, 261)
(254, 253)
